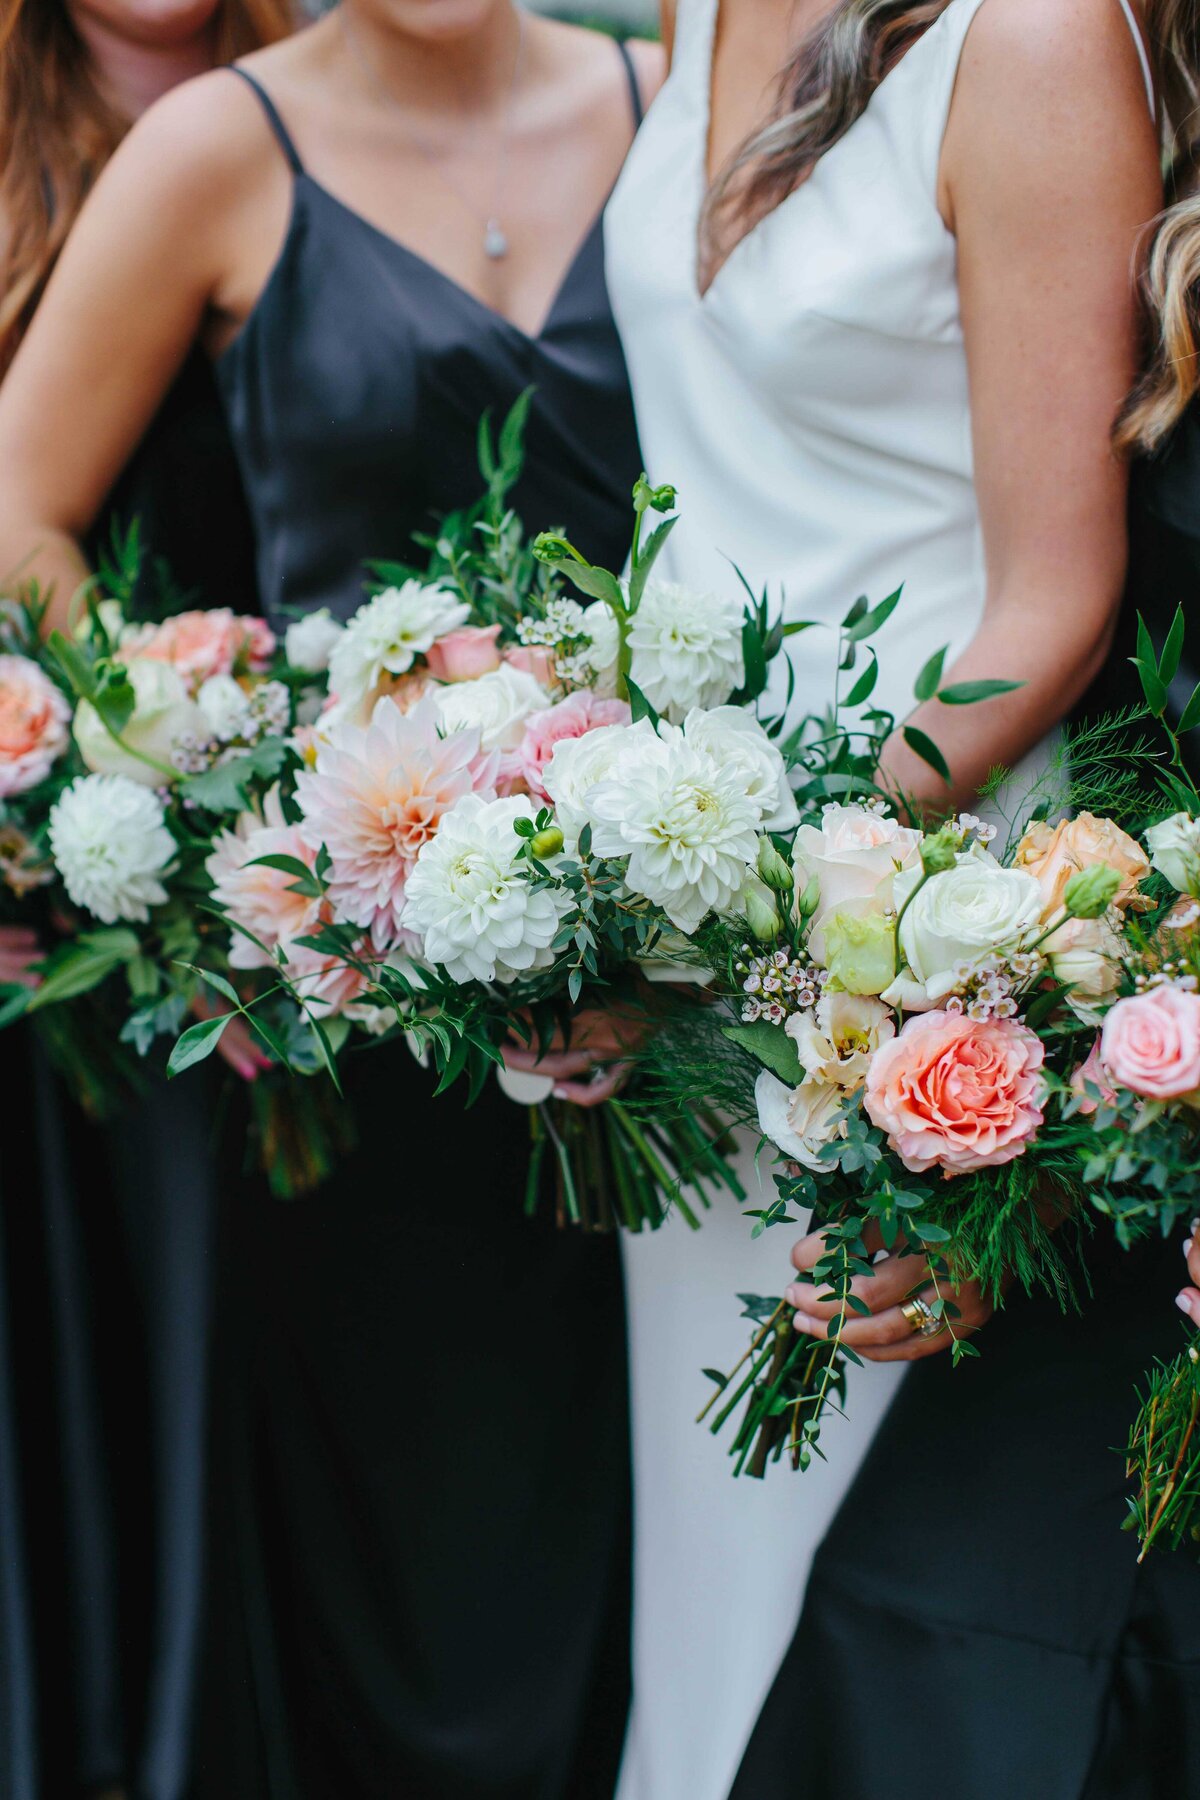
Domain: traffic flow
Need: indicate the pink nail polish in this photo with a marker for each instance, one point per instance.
(1183, 1302)
(1187, 1246)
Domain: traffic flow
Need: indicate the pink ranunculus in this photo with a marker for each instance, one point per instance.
(465, 654)
(257, 897)
(1091, 1072)
(377, 795)
(956, 1093)
(535, 660)
(204, 643)
(35, 719)
(1150, 1043)
(571, 718)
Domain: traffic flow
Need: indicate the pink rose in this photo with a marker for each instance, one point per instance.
(956, 1093)
(204, 643)
(535, 660)
(1150, 1044)
(1092, 1072)
(465, 654)
(572, 718)
(35, 718)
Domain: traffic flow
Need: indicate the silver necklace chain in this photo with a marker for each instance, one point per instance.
(495, 238)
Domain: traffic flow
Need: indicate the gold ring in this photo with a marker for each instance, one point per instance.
(921, 1317)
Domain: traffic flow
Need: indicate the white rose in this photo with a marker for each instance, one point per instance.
(225, 707)
(854, 855)
(686, 648)
(1174, 846)
(961, 915)
(734, 736)
(388, 633)
(310, 642)
(163, 714)
(800, 1121)
(837, 1040)
(496, 705)
(577, 766)
(1087, 954)
(109, 839)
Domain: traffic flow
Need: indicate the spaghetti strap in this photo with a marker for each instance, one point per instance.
(273, 119)
(1143, 54)
(635, 92)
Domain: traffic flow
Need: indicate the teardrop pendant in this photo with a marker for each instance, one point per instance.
(495, 243)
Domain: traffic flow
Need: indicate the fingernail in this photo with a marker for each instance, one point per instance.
(804, 1322)
(1187, 1246)
(1184, 1303)
(794, 1297)
(560, 1093)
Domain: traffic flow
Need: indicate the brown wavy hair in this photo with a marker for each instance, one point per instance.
(829, 80)
(57, 131)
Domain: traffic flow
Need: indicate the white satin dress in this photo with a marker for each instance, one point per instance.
(812, 409)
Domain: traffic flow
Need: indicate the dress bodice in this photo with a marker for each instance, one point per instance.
(355, 389)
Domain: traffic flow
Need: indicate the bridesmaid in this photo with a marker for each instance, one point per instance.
(376, 231)
(870, 261)
(104, 1260)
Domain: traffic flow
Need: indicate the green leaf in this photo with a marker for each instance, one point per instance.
(217, 983)
(969, 693)
(73, 663)
(864, 687)
(874, 618)
(1152, 687)
(114, 698)
(926, 684)
(1190, 716)
(78, 968)
(1168, 662)
(927, 750)
(512, 435)
(305, 881)
(647, 558)
(1145, 644)
(197, 1042)
(769, 1045)
(226, 788)
(639, 706)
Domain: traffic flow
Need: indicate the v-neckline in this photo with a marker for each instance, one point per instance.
(450, 281)
(702, 295)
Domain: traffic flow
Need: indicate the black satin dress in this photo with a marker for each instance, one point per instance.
(423, 1528)
(976, 1621)
(105, 1279)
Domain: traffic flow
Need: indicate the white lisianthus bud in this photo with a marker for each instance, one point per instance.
(760, 912)
(310, 642)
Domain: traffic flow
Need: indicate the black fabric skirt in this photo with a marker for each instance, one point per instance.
(421, 1525)
(976, 1619)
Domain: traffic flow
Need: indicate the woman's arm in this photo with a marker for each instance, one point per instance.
(1049, 171)
(150, 260)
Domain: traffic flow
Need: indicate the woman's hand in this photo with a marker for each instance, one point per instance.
(19, 953)
(599, 1045)
(887, 1335)
(237, 1047)
(1189, 1300)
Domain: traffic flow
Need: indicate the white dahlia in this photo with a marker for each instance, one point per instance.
(686, 648)
(109, 838)
(577, 766)
(387, 634)
(684, 820)
(472, 900)
(735, 738)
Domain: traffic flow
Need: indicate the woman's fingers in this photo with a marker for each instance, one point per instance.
(892, 1280)
(560, 1065)
(601, 1086)
(809, 1250)
(889, 1337)
(19, 950)
(1188, 1301)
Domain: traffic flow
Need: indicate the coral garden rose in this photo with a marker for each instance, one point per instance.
(853, 854)
(1053, 853)
(956, 1093)
(203, 643)
(34, 724)
(1150, 1044)
(572, 718)
(465, 654)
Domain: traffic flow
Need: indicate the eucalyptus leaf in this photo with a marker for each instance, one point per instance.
(769, 1045)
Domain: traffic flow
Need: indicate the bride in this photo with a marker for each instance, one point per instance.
(871, 263)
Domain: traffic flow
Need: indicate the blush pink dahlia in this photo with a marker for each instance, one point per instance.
(572, 718)
(259, 898)
(956, 1093)
(204, 643)
(378, 793)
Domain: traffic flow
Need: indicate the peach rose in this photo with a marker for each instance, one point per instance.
(35, 718)
(956, 1093)
(1052, 854)
(204, 643)
(1150, 1044)
(535, 660)
(465, 654)
(1091, 1072)
(572, 718)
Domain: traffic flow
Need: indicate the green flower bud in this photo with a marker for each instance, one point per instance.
(546, 843)
(771, 866)
(860, 950)
(808, 900)
(940, 852)
(762, 915)
(1090, 892)
(647, 498)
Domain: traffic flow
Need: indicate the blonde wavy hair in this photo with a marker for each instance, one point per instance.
(57, 131)
(826, 86)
